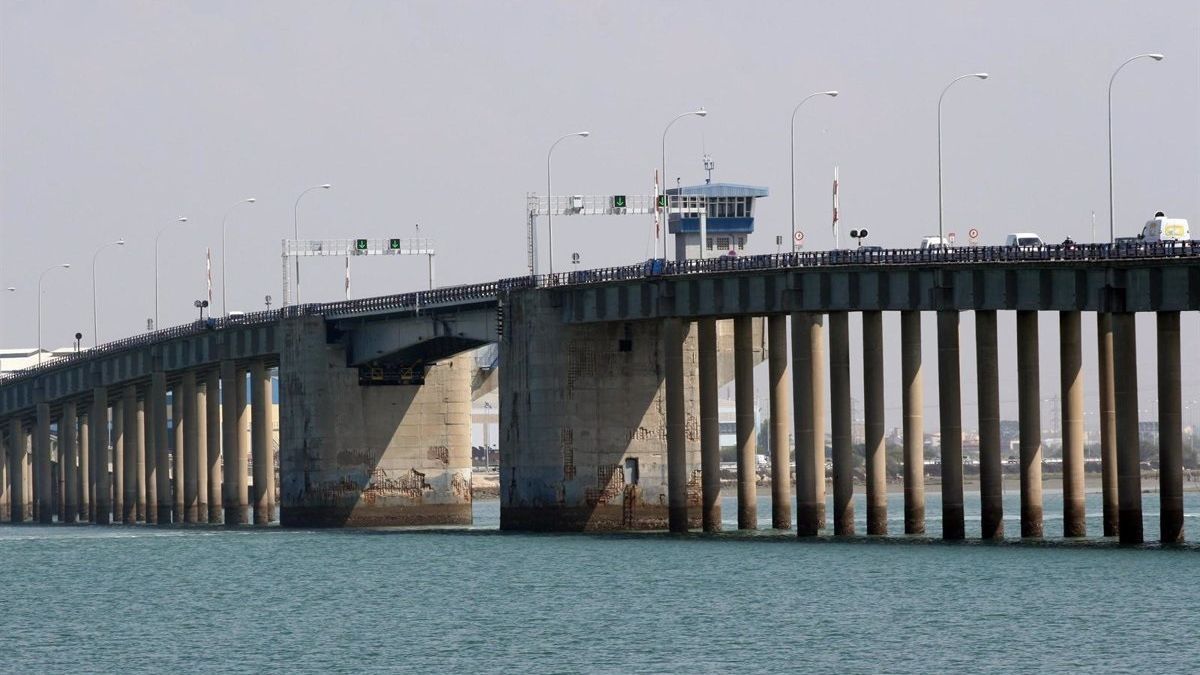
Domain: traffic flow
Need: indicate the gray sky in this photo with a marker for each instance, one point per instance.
(118, 117)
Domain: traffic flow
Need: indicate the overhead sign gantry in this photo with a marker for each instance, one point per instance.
(348, 248)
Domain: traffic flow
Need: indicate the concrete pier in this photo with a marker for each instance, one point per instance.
(1170, 429)
(41, 450)
(1106, 382)
(16, 470)
(117, 455)
(875, 454)
(140, 457)
(192, 430)
(201, 424)
(710, 426)
(950, 417)
(5, 492)
(212, 417)
(129, 463)
(987, 375)
(1129, 470)
(781, 421)
(1029, 411)
(839, 401)
(260, 441)
(178, 425)
(149, 473)
(913, 403)
(68, 457)
(98, 431)
(677, 470)
(162, 500)
(1071, 366)
(747, 442)
(86, 486)
(233, 405)
(808, 383)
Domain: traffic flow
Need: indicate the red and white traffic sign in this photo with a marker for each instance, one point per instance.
(950, 236)
(974, 233)
(799, 236)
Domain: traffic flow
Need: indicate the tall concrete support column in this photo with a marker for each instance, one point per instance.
(808, 384)
(139, 459)
(677, 471)
(781, 422)
(913, 403)
(1029, 411)
(117, 454)
(991, 485)
(160, 503)
(68, 456)
(1129, 470)
(86, 482)
(743, 378)
(28, 473)
(147, 475)
(233, 404)
(839, 401)
(99, 433)
(212, 416)
(1108, 424)
(710, 426)
(45, 488)
(260, 441)
(178, 424)
(129, 447)
(16, 470)
(873, 423)
(950, 417)
(1071, 364)
(5, 491)
(1170, 429)
(191, 445)
(201, 448)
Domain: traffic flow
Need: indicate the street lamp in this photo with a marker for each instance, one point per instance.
(701, 112)
(549, 206)
(296, 231)
(65, 266)
(1111, 207)
(981, 76)
(224, 220)
(831, 94)
(180, 219)
(95, 320)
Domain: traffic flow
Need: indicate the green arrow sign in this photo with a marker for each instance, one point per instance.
(662, 201)
(618, 201)
(394, 244)
(360, 244)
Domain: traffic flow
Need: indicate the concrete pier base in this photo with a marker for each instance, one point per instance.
(1170, 429)
(1029, 407)
(839, 401)
(873, 423)
(1071, 366)
(914, 428)
(1129, 470)
(747, 441)
(950, 416)
(991, 485)
(781, 421)
(1106, 381)
(677, 469)
(710, 426)
(808, 380)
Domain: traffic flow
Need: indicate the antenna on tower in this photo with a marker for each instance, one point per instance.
(709, 165)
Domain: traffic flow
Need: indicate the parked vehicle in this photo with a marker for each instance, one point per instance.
(934, 242)
(1024, 240)
(1160, 229)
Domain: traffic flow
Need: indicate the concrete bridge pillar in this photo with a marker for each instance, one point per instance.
(839, 397)
(149, 472)
(41, 449)
(914, 429)
(178, 426)
(873, 422)
(129, 448)
(139, 456)
(1030, 414)
(87, 485)
(5, 490)
(28, 473)
(16, 470)
(68, 456)
(192, 425)
(1071, 365)
(212, 417)
(201, 461)
(1129, 470)
(260, 441)
(1170, 429)
(233, 404)
(991, 477)
(160, 501)
(117, 454)
(1108, 424)
(950, 416)
(781, 421)
(677, 470)
(98, 432)
(747, 443)
(808, 384)
(710, 426)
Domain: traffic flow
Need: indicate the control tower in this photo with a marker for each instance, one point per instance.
(729, 218)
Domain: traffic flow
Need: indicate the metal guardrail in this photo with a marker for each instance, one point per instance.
(650, 269)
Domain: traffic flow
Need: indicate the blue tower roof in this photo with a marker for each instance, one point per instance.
(720, 190)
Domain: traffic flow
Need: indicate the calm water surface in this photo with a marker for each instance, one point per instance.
(138, 599)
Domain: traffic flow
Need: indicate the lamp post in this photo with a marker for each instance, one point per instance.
(95, 319)
(224, 221)
(981, 76)
(65, 266)
(1111, 207)
(296, 231)
(831, 94)
(700, 112)
(549, 206)
(162, 229)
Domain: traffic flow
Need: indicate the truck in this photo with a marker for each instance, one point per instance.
(1024, 240)
(1160, 229)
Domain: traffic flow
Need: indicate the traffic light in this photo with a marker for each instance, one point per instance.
(394, 244)
(360, 244)
(618, 201)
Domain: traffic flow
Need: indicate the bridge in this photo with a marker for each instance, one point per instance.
(608, 397)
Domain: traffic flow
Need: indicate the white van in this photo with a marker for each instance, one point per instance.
(1024, 240)
(934, 242)
(1160, 229)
